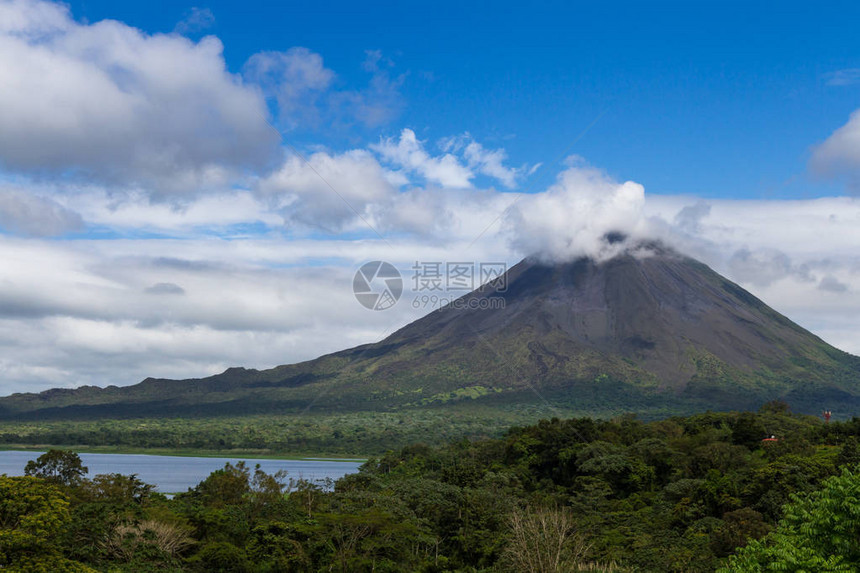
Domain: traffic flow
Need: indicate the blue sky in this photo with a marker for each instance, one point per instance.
(153, 223)
(719, 99)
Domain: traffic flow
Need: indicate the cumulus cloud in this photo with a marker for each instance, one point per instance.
(577, 215)
(338, 192)
(489, 162)
(100, 118)
(329, 192)
(839, 155)
(409, 153)
(441, 216)
(109, 102)
(100, 311)
(320, 192)
(28, 19)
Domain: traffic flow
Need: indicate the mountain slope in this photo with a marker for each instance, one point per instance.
(653, 333)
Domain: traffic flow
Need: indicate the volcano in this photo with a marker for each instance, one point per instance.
(649, 331)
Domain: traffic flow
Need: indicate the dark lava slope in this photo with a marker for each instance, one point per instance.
(651, 332)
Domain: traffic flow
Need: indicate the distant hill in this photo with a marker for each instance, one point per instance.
(655, 333)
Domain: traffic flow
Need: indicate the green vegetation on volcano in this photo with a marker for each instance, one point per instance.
(657, 334)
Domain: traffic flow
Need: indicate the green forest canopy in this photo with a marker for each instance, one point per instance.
(678, 495)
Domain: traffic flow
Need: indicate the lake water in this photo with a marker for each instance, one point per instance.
(174, 474)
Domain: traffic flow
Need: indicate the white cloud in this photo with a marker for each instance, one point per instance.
(839, 155)
(808, 229)
(689, 218)
(576, 216)
(26, 214)
(246, 256)
(409, 153)
(795, 255)
(109, 102)
(28, 19)
(296, 79)
(134, 212)
(115, 311)
(329, 192)
(307, 96)
(352, 191)
(442, 216)
(195, 20)
(763, 267)
(489, 162)
(461, 161)
(380, 101)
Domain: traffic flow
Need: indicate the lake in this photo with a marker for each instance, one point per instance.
(174, 474)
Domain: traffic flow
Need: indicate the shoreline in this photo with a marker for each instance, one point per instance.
(185, 453)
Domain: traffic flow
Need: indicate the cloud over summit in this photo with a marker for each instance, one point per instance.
(574, 216)
(191, 238)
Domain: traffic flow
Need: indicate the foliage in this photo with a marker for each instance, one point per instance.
(58, 466)
(676, 495)
(820, 531)
(128, 540)
(438, 365)
(543, 540)
(33, 513)
(353, 433)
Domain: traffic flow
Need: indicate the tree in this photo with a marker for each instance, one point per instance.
(33, 513)
(369, 540)
(775, 407)
(747, 431)
(819, 532)
(224, 487)
(221, 557)
(739, 527)
(57, 466)
(118, 489)
(272, 547)
(543, 541)
(849, 455)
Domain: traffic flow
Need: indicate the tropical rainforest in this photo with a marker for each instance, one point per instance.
(737, 491)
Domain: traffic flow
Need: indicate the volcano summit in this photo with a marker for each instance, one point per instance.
(649, 331)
